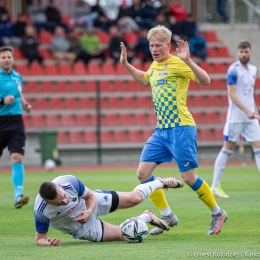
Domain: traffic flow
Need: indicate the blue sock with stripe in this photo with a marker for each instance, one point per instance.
(17, 179)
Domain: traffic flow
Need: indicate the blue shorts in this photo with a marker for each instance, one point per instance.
(179, 143)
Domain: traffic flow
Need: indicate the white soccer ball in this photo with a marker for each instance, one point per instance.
(49, 165)
(134, 230)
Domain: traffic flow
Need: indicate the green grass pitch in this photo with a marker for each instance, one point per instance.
(240, 234)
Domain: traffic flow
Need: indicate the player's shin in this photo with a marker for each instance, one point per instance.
(18, 178)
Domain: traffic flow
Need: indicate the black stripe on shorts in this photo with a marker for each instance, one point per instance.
(115, 201)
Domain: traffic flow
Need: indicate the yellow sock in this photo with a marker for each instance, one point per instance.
(158, 198)
(204, 193)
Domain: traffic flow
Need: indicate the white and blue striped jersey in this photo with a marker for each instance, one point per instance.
(245, 82)
(60, 217)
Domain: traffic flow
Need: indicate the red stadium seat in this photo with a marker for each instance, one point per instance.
(219, 68)
(120, 69)
(51, 69)
(37, 121)
(134, 86)
(17, 54)
(114, 102)
(211, 52)
(22, 69)
(71, 103)
(36, 69)
(109, 119)
(65, 69)
(47, 87)
(45, 53)
(130, 38)
(144, 102)
(26, 120)
(206, 135)
(45, 37)
(52, 120)
(147, 134)
(119, 85)
(106, 137)
(62, 86)
(81, 120)
(223, 51)
(40, 103)
(212, 118)
(152, 120)
(79, 69)
(213, 101)
(218, 84)
(224, 100)
(62, 138)
(104, 37)
(90, 137)
(218, 133)
(76, 86)
(56, 103)
(70, 22)
(140, 119)
(32, 87)
(120, 136)
(75, 137)
(105, 86)
(91, 86)
(87, 103)
(93, 69)
(126, 119)
(108, 68)
(200, 101)
(198, 117)
(135, 136)
(222, 116)
(67, 120)
(211, 36)
(128, 102)
(257, 83)
(92, 119)
(205, 66)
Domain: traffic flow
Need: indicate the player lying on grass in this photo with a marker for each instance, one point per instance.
(67, 205)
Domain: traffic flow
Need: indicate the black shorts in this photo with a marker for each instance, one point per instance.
(12, 134)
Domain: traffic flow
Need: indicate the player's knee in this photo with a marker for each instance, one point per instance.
(16, 158)
(141, 175)
(136, 199)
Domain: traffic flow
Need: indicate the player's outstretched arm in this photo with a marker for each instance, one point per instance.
(43, 240)
(183, 53)
(138, 75)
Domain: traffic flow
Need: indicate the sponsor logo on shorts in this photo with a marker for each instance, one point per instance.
(187, 164)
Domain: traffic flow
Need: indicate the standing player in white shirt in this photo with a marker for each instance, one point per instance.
(67, 205)
(242, 117)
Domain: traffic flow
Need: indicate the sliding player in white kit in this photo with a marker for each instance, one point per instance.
(242, 117)
(67, 205)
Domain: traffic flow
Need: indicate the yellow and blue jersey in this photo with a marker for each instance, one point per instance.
(170, 82)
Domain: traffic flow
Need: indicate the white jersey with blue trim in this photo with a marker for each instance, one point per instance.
(60, 217)
(245, 82)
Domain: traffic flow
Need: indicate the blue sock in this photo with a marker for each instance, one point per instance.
(151, 179)
(18, 179)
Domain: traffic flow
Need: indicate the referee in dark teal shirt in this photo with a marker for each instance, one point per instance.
(12, 130)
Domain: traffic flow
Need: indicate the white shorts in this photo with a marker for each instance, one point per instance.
(107, 201)
(249, 131)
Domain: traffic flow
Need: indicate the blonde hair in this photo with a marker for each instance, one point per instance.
(161, 33)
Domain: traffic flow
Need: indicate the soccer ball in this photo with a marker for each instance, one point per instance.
(134, 230)
(49, 165)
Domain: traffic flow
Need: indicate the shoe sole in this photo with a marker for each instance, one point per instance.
(160, 223)
(23, 202)
(222, 220)
(179, 183)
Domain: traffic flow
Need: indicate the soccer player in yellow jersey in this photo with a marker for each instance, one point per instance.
(175, 133)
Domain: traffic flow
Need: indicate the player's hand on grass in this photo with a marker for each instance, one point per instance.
(123, 56)
(54, 241)
(183, 50)
(27, 107)
(83, 216)
(8, 100)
